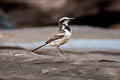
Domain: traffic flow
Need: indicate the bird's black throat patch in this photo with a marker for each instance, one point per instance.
(67, 27)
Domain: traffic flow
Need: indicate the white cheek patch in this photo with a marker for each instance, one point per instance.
(66, 23)
(63, 27)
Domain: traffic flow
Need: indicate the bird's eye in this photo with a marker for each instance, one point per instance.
(62, 21)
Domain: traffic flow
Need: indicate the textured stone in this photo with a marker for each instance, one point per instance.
(24, 65)
(19, 64)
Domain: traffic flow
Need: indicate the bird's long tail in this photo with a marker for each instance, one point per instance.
(39, 47)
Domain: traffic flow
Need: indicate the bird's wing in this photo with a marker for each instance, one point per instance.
(58, 35)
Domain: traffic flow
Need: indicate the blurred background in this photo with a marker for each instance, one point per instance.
(31, 13)
(93, 52)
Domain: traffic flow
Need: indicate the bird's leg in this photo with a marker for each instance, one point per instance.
(59, 52)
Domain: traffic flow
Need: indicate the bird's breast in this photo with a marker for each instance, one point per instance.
(67, 34)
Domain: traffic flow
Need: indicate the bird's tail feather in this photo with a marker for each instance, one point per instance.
(39, 47)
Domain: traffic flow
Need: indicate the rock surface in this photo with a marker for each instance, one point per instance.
(19, 64)
(24, 65)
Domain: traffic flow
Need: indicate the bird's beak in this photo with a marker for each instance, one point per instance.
(71, 18)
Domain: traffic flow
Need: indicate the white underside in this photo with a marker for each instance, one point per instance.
(61, 41)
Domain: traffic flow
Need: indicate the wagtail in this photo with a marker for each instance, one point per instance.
(61, 37)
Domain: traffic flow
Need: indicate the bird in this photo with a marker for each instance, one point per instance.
(61, 37)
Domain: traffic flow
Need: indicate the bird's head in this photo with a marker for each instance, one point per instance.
(63, 22)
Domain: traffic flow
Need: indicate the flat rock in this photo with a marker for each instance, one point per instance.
(19, 64)
(24, 65)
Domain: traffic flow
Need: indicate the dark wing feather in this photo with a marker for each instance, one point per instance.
(58, 35)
